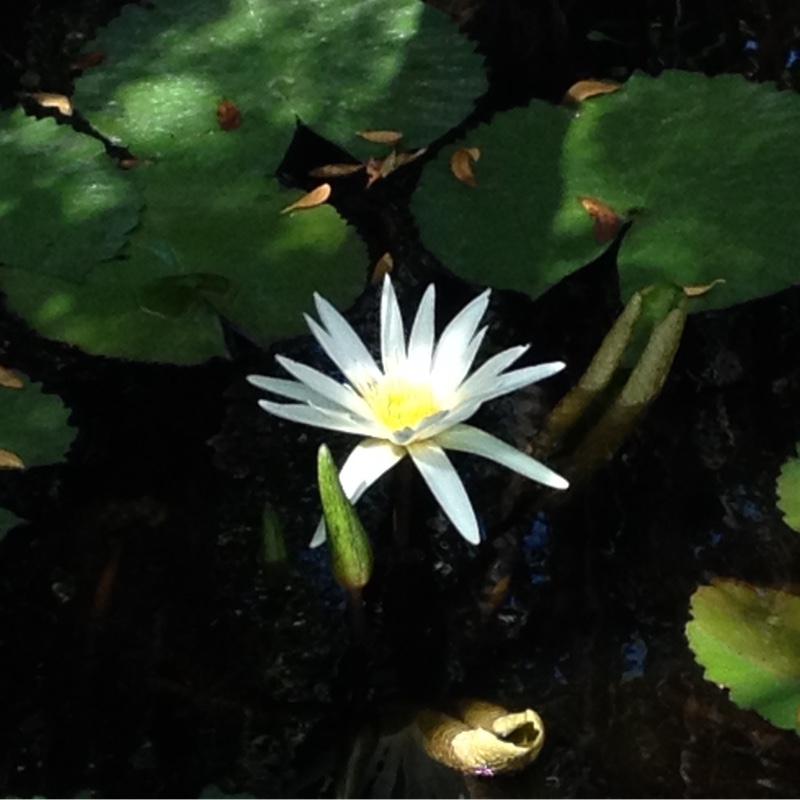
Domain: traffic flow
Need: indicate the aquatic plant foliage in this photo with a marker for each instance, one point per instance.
(747, 638)
(702, 169)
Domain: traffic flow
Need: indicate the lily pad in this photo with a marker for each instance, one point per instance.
(205, 93)
(703, 167)
(748, 639)
(789, 492)
(64, 204)
(340, 67)
(163, 302)
(33, 425)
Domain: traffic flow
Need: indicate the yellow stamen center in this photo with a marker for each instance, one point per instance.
(399, 404)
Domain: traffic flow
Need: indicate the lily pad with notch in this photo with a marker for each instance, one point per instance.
(701, 167)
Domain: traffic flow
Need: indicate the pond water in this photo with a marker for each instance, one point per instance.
(150, 646)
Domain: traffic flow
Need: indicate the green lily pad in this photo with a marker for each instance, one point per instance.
(748, 639)
(163, 303)
(339, 66)
(210, 239)
(702, 166)
(33, 425)
(789, 492)
(64, 204)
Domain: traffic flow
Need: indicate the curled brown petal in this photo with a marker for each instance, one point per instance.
(487, 740)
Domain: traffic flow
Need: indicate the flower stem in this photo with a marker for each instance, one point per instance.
(403, 481)
(355, 610)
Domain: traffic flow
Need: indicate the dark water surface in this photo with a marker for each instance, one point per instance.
(147, 649)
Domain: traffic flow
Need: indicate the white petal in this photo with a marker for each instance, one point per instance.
(512, 381)
(486, 374)
(344, 339)
(420, 341)
(461, 413)
(447, 380)
(320, 534)
(359, 368)
(447, 488)
(366, 463)
(327, 387)
(474, 440)
(320, 418)
(451, 351)
(393, 345)
(292, 390)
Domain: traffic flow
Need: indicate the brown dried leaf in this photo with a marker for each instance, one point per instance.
(698, 290)
(389, 164)
(401, 159)
(229, 118)
(335, 170)
(129, 163)
(606, 221)
(383, 265)
(461, 164)
(378, 168)
(87, 60)
(53, 100)
(392, 138)
(10, 379)
(583, 90)
(316, 197)
(9, 460)
(373, 167)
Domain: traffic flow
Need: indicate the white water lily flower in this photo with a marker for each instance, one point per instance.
(416, 405)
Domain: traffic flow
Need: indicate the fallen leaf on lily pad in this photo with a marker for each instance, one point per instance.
(748, 639)
(606, 221)
(60, 102)
(316, 197)
(335, 170)
(696, 290)
(33, 427)
(9, 379)
(392, 138)
(9, 460)
(229, 118)
(461, 164)
(403, 158)
(583, 90)
(789, 492)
